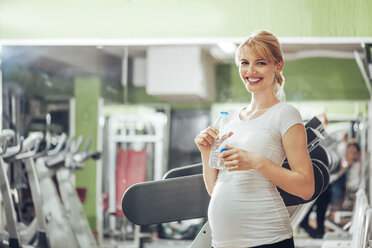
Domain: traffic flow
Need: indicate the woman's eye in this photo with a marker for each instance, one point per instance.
(244, 63)
(261, 63)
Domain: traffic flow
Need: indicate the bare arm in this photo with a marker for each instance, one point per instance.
(298, 181)
(204, 141)
(209, 174)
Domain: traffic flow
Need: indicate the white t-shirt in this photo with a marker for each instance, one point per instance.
(246, 209)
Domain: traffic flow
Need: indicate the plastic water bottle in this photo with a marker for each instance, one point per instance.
(214, 158)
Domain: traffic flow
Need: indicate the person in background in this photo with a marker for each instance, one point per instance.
(323, 119)
(246, 209)
(354, 173)
(321, 203)
(348, 174)
(349, 154)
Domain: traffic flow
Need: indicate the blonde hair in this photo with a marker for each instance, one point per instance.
(265, 45)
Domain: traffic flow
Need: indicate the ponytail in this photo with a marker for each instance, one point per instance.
(279, 86)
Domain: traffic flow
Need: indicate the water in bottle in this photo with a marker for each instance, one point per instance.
(214, 159)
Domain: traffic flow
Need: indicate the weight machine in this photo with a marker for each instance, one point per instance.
(136, 152)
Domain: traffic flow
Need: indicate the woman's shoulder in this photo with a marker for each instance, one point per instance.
(287, 108)
(287, 116)
(288, 113)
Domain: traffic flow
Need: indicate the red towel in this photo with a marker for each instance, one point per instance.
(130, 169)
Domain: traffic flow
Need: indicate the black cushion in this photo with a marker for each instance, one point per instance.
(291, 200)
(325, 172)
(321, 154)
(184, 171)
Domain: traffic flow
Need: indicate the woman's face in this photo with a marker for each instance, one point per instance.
(257, 73)
(352, 154)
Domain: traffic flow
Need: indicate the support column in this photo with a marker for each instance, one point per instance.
(87, 92)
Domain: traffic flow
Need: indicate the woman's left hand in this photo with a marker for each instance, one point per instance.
(238, 159)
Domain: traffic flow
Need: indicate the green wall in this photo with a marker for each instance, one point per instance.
(182, 18)
(87, 92)
(112, 92)
(305, 80)
(324, 79)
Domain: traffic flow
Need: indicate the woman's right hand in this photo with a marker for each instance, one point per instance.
(205, 139)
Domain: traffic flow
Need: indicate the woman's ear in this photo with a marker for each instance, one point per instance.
(280, 66)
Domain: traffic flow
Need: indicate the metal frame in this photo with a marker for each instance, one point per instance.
(35, 188)
(99, 200)
(74, 210)
(10, 214)
(119, 122)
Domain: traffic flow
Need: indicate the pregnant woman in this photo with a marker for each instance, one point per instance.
(246, 210)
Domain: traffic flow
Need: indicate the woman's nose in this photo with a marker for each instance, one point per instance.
(250, 70)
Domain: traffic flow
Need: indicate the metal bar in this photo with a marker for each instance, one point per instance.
(360, 64)
(8, 203)
(111, 177)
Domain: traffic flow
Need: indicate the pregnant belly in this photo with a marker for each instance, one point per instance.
(239, 208)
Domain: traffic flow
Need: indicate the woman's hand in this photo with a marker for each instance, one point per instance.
(238, 159)
(205, 139)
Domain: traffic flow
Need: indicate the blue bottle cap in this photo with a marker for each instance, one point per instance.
(224, 113)
(223, 149)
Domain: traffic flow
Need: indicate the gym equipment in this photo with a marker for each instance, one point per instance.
(14, 238)
(69, 215)
(44, 219)
(71, 202)
(359, 231)
(321, 154)
(33, 141)
(143, 205)
(142, 135)
(325, 172)
(68, 218)
(19, 237)
(177, 201)
(184, 171)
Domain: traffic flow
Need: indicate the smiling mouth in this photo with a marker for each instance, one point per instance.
(254, 80)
